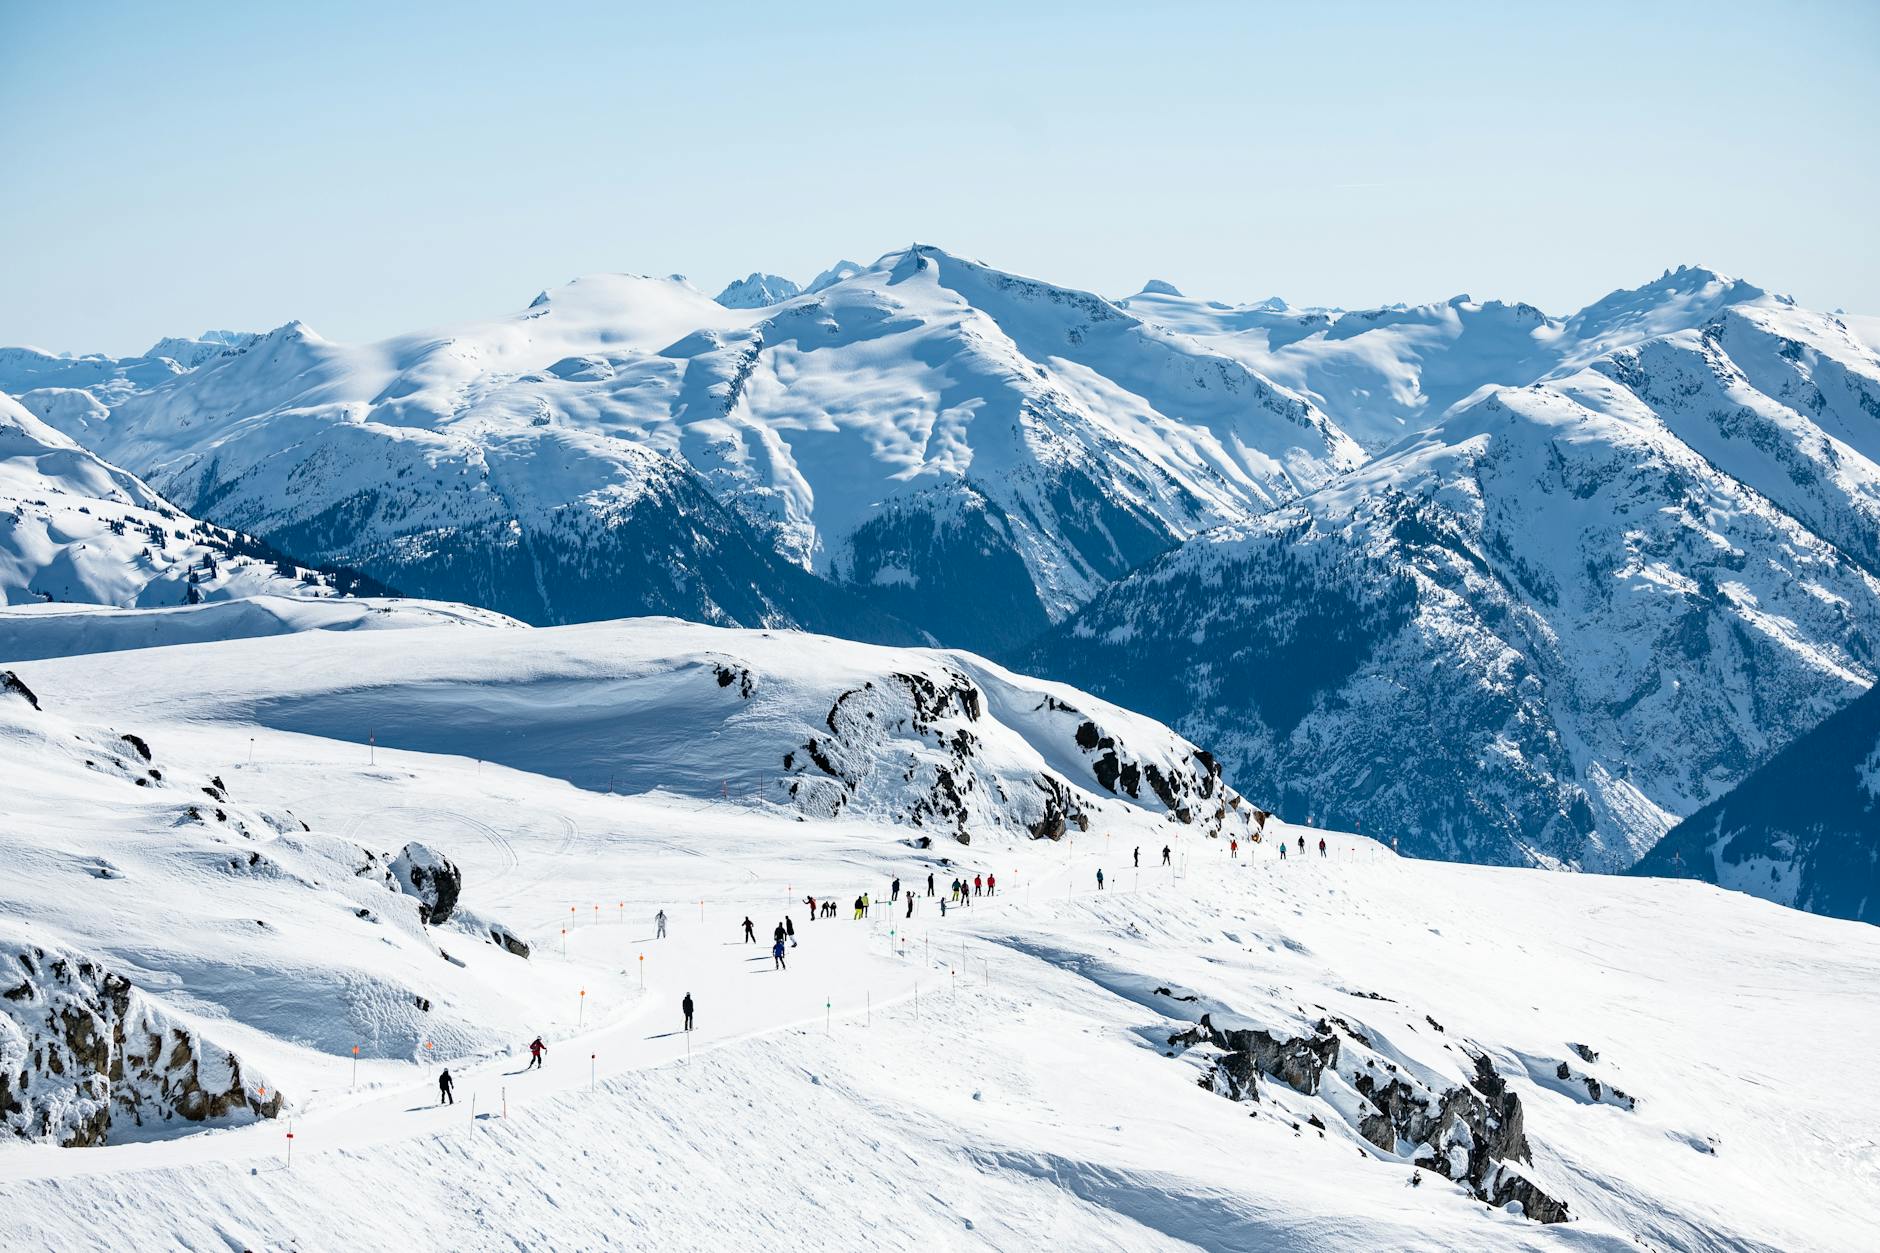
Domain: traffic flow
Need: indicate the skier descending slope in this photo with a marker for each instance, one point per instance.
(776, 955)
(750, 932)
(536, 1049)
(446, 1089)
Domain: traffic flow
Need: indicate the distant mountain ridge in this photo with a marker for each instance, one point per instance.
(1512, 586)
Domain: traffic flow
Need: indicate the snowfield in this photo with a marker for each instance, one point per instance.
(1675, 1065)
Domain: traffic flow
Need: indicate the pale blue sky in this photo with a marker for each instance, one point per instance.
(373, 168)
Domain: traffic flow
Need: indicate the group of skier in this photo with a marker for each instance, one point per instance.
(960, 891)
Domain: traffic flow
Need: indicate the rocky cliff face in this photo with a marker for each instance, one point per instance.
(87, 1057)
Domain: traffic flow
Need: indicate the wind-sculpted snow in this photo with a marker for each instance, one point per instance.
(1538, 634)
(1801, 830)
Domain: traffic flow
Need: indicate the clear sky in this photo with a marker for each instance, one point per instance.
(377, 167)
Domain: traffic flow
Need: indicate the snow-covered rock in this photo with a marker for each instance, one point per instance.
(429, 876)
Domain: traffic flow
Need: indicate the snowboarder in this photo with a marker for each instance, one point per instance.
(1165, 854)
(536, 1049)
(789, 929)
(686, 1006)
(930, 883)
(1099, 878)
(992, 884)
(659, 925)
(776, 954)
(1321, 846)
(446, 1088)
(750, 932)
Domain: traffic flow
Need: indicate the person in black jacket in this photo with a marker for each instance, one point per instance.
(686, 1005)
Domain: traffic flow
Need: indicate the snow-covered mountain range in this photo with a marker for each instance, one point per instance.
(1544, 630)
(74, 528)
(1510, 586)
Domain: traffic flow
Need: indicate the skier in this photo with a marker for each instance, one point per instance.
(750, 932)
(894, 890)
(943, 907)
(686, 1006)
(1233, 848)
(1136, 857)
(979, 885)
(776, 954)
(777, 935)
(866, 903)
(1165, 854)
(858, 909)
(930, 883)
(811, 902)
(1282, 850)
(536, 1049)
(1302, 846)
(659, 923)
(1099, 878)
(910, 904)
(992, 884)
(446, 1086)
(1321, 846)
(789, 929)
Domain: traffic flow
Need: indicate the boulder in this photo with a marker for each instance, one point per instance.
(432, 878)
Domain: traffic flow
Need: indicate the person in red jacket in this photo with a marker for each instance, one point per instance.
(992, 884)
(536, 1049)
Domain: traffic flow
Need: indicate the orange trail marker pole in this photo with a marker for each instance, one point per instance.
(355, 1078)
(592, 1064)
(564, 941)
(505, 1095)
(290, 1144)
(642, 972)
(581, 1017)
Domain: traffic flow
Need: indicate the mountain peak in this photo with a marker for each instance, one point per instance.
(757, 291)
(1159, 287)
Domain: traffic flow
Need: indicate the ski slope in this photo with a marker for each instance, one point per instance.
(998, 1078)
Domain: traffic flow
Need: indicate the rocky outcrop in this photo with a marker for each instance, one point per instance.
(432, 878)
(11, 683)
(1471, 1132)
(83, 1053)
(1248, 1051)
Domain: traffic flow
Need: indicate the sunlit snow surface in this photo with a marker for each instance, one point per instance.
(996, 1079)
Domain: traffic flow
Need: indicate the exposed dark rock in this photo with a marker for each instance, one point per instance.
(10, 682)
(137, 742)
(509, 940)
(431, 878)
